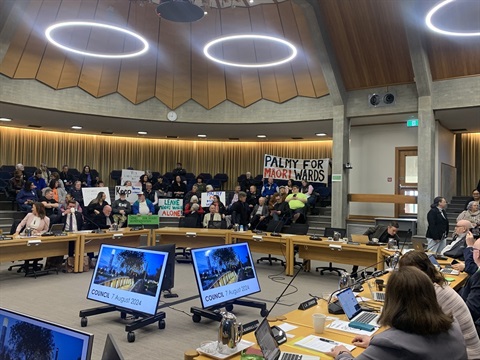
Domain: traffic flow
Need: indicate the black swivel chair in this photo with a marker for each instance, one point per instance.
(182, 254)
(28, 265)
(297, 229)
(329, 233)
(273, 226)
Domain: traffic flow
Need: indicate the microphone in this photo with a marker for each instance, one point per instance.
(284, 290)
(98, 229)
(274, 232)
(260, 232)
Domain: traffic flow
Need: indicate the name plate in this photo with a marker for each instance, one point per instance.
(251, 326)
(307, 304)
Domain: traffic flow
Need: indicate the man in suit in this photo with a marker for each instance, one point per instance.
(458, 239)
(72, 221)
(259, 215)
(240, 211)
(471, 292)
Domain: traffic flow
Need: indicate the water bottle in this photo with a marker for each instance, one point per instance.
(392, 244)
(345, 280)
(241, 227)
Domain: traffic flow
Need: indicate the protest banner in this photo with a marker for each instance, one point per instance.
(207, 197)
(170, 207)
(311, 170)
(131, 175)
(91, 193)
(131, 191)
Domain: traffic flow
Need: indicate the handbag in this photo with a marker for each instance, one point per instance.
(456, 252)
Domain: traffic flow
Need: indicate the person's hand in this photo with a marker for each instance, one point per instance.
(459, 267)
(361, 341)
(122, 212)
(149, 213)
(470, 239)
(96, 212)
(336, 350)
(262, 217)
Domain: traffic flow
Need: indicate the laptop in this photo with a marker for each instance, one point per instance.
(57, 229)
(376, 295)
(447, 271)
(269, 346)
(362, 239)
(353, 310)
(418, 244)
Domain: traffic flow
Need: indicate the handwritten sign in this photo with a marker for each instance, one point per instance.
(311, 170)
(170, 207)
(207, 197)
(131, 175)
(131, 191)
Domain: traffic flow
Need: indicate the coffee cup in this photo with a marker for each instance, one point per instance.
(319, 323)
(375, 240)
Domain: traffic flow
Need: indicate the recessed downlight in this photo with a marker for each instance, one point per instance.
(261, 136)
(202, 135)
(320, 134)
(5, 119)
(76, 127)
(142, 133)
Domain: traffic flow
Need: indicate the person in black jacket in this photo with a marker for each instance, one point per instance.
(240, 211)
(437, 230)
(471, 292)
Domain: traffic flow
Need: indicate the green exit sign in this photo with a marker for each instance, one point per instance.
(412, 123)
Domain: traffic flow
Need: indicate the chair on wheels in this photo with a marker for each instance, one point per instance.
(182, 254)
(329, 233)
(31, 264)
(297, 229)
(276, 227)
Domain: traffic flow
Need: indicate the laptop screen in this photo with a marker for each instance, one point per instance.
(349, 303)
(57, 228)
(266, 341)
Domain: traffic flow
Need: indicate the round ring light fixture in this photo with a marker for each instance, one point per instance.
(290, 46)
(51, 29)
(436, 8)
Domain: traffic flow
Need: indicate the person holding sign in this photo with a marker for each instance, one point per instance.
(296, 202)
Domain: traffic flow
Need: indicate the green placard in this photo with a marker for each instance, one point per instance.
(142, 220)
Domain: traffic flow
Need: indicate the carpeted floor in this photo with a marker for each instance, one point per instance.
(59, 298)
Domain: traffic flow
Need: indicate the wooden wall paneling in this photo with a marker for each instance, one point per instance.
(243, 84)
(37, 42)
(369, 42)
(266, 20)
(147, 23)
(208, 77)
(52, 64)
(310, 51)
(182, 85)
(9, 65)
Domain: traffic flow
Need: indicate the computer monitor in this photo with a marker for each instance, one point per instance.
(27, 337)
(224, 273)
(111, 350)
(130, 278)
(169, 277)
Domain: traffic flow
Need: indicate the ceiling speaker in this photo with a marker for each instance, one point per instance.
(381, 99)
(179, 11)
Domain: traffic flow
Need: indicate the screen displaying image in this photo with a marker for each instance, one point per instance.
(224, 273)
(25, 337)
(129, 278)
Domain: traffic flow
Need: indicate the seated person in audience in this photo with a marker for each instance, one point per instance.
(151, 179)
(45, 172)
(269, 188)
(471, 291)
(472, 213)
(193, 212)
(21, 168)
(307, 189)
(252, 197)
(193, 192)
(233, 197)
(64, 205)
(105, 218)
(127, 183)
(221, 209)
(448, 299)
(212, 215)
(178, 187)
(161, 187)
(201, 186)
(37, 220)
(383, 233)
(71, 218)
(193, 201)
(27, 196)
(289, 186)
(151, 195)
(459, 238)
(296, 203)
(468, 265)
(475, 197)
(16, 183)
(121, 208)
(38, 180)
(417, 327)
(259, 215)
(51, 206)
(58, 192)
(283, 190)
(179, 170)
(241, 211)
(143, 181)
(66, 178)
(77, 193)
(56, 176)
(88, 177)
(100, 183)
(280, 209)
(95, 208)
(209, 188)
(142, 206)
(247, 182)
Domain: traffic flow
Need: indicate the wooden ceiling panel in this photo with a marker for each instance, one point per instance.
(369, 40)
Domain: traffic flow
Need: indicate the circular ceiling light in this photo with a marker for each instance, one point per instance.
(428, 21)
(69, 24)
(291, 47)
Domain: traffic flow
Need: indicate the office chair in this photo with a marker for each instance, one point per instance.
(329, 233)
(183, 254)
(26, 266)
(273, 226)
(297, 229)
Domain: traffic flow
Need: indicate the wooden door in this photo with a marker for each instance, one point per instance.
(406, 175)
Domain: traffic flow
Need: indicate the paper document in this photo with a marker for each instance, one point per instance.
(313, 342)
(343, 326)
(287, 327)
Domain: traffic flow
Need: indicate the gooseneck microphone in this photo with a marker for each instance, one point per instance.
(274, 232)
(98, 229)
